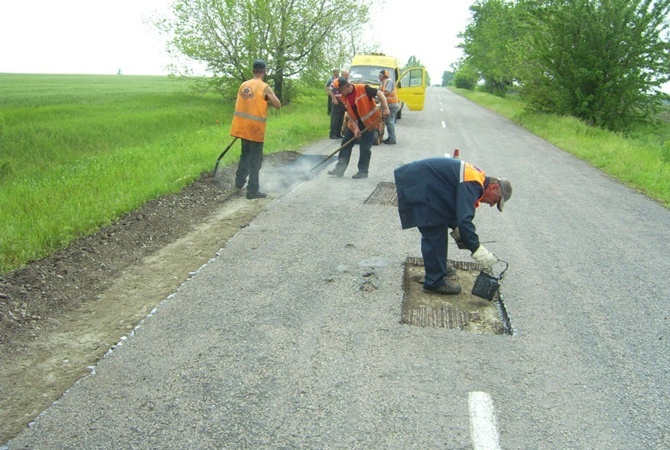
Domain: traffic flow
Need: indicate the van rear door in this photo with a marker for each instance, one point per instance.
(412, 88)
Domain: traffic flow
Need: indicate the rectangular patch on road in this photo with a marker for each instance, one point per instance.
(462, 311)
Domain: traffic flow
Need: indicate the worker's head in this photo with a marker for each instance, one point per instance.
(345, 74)
(384, 74)
(259, 66)
(343, 86)
(336, 73)
(497, 192)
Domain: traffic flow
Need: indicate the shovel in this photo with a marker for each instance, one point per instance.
(368, 128)
(223, 154)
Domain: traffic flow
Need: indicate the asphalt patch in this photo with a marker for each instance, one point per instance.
(463, 311)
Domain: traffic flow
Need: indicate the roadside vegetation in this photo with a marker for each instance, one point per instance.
(640, 158)
(79, 151)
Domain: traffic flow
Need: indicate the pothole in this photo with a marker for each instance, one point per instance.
(463, 311)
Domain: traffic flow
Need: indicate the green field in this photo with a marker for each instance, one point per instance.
(79, 151)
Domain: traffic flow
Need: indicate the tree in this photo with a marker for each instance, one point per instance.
(492, 43)
(297, 38)
(603, 61)
(447, 77)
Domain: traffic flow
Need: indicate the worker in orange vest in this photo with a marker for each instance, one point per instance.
(387, 86)
(251, 112)
(364, 116)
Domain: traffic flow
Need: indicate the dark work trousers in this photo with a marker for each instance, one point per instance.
(250, 163)
(330, 104)
(336, 119)
(365, 144)
(434, 242)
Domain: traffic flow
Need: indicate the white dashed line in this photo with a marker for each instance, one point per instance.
(483, 422)
(444, 125)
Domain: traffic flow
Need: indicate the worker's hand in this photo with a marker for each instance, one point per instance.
(457, 237)
(357, 132)
(386, 111)
(485, 258)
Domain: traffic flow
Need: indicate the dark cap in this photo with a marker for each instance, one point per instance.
(259, 64)
(506, 190)
(340, 82)
(385, 73)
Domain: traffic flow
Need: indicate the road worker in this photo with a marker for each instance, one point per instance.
(437, 194)
(364, 117)
(251, 112)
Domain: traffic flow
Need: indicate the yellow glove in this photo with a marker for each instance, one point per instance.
(484, 258)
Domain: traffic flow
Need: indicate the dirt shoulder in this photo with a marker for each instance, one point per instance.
(60, 315)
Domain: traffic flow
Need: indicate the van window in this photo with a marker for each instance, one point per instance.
(411, 78)
(368, 74)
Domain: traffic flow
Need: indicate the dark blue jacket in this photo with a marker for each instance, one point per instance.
(440, 192)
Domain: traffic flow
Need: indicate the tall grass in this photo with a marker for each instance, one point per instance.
(640, 159)
(78, 151)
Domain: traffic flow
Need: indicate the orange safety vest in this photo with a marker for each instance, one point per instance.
(391, 97)
(367, 109)
(472, 173)
(251, 111)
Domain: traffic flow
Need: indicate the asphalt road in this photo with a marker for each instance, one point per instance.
(290, 337)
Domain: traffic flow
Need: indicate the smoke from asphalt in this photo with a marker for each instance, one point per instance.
(283, 179)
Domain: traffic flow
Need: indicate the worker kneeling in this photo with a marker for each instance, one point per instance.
(436, 194)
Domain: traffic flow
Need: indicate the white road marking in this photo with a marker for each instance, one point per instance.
(483, 422)
(444, 125)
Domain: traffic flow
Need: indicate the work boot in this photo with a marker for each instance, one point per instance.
(257, 194)
(389, 141)
(448, 289)
(451, 271)
(360, 175)
(336, 173)
(239, 185)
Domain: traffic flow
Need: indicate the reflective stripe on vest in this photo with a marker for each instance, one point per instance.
(391, 97)
(251, 111)
(472, 173)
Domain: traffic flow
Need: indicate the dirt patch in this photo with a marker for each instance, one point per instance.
(61, 314)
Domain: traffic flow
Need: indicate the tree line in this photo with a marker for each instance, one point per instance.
(603, 61)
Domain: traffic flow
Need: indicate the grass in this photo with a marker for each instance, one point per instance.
(79, 151)
(640, 159)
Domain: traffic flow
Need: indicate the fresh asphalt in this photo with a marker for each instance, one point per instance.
(290, 336)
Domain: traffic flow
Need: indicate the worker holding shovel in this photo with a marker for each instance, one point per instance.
(436, 194)
(251, 112)
(364, 117)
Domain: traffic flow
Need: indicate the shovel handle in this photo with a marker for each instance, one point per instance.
(223, 153)
(368, 128)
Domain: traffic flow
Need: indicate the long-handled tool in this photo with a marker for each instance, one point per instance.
(368, 128)
(223, 154)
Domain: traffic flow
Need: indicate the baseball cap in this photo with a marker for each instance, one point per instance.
(506, 188)
(385, 73)
(340, 82)
(259, 64)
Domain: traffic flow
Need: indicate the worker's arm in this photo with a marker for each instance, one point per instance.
(382, 99)
(271, 97)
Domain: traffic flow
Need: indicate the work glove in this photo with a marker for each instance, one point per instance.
(484, 258)
(457, 237)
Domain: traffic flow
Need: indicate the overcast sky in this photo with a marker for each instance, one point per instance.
(95, 37)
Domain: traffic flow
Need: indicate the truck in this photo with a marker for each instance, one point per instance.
(410, 83)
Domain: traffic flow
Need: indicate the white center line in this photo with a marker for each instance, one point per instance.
(483, 422)
(444, 125)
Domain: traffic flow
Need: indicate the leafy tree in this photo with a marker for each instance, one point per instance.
(603, 61)
(493, 40)
(466, 77)
(298, 39)
(447, 78)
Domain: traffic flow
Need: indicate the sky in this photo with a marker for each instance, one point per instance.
(95, 37)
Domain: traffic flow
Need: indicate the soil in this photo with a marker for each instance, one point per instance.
(61, 314)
